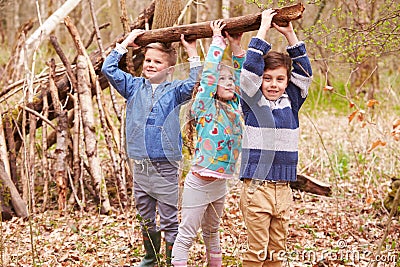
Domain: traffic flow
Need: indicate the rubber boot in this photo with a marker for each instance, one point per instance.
(168, 252)
(214, 258)
(152, 244)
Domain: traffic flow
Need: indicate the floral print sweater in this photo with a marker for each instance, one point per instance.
(219, 124)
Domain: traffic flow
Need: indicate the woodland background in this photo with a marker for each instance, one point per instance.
(66, 190)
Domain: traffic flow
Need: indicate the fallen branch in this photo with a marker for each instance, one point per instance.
(233, 25)
(311, 185)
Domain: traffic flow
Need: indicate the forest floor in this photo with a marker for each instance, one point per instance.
(324, 231)
(344, 229)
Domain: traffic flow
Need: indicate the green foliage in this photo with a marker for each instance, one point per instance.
(270, 3)
(342, 163)
(319, 100)
(352, 34)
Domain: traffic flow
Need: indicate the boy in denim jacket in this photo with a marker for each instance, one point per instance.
(154, 142)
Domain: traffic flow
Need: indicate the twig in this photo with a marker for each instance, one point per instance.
(184, 10)
(389, 222)
(38, 115)
(329, 159)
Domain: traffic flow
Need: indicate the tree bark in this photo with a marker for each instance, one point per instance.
(202, 30)
(18, 203)
(86, 105)
(62, 139)
(311, 185)
(45, 162)
(50, 24)
(166, 13)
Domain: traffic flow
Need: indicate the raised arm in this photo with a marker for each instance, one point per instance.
(210, 75)
(253, 67)
(288, 32)
(238, 55)
(301, 77)
(119, 79)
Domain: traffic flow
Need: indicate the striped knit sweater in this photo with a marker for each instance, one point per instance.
(270, 141)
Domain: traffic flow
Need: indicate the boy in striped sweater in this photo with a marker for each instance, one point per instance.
(272, 95)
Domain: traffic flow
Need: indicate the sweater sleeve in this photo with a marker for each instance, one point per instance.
(237, 62)
(301, 77)
(209, 78)
(252, 73)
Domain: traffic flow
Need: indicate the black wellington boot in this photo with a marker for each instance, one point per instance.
(168, 252)
(152, 244)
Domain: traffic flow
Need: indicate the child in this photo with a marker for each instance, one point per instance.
(154, 143)
(271, 98)
(218, 126)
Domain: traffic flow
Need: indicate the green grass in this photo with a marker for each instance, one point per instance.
(321, 100)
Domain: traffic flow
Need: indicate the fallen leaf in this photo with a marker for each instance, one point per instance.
(396, 124)
(372, 102)
(376, 144)
(361, 114)
(352, 115)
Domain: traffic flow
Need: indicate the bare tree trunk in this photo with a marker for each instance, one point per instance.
(61, 174)
(110, 145)
(86, 105)
(12, 153)
(62, 141)
(105, 121)
(76, 150)
(32, 173)
(49, 25)
(125, 26)
(166, 13)
(226, 7)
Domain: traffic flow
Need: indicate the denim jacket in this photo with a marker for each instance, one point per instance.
(152, 119)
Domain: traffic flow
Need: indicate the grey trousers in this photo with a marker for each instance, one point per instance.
(202, 205)
(156, 189)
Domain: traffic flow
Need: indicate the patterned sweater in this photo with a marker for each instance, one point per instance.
(270, 144)
(219, 124)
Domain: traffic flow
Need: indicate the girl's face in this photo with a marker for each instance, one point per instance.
(274, 83)
(156, 66)
(226, 85)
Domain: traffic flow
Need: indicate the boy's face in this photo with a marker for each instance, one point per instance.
(226, 85)
(274, 83)
(155, 66)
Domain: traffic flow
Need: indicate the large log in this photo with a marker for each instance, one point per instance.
(19, 205)
(233, 25)
(311, 185)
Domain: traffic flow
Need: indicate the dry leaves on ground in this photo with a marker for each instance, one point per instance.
(324, 231)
